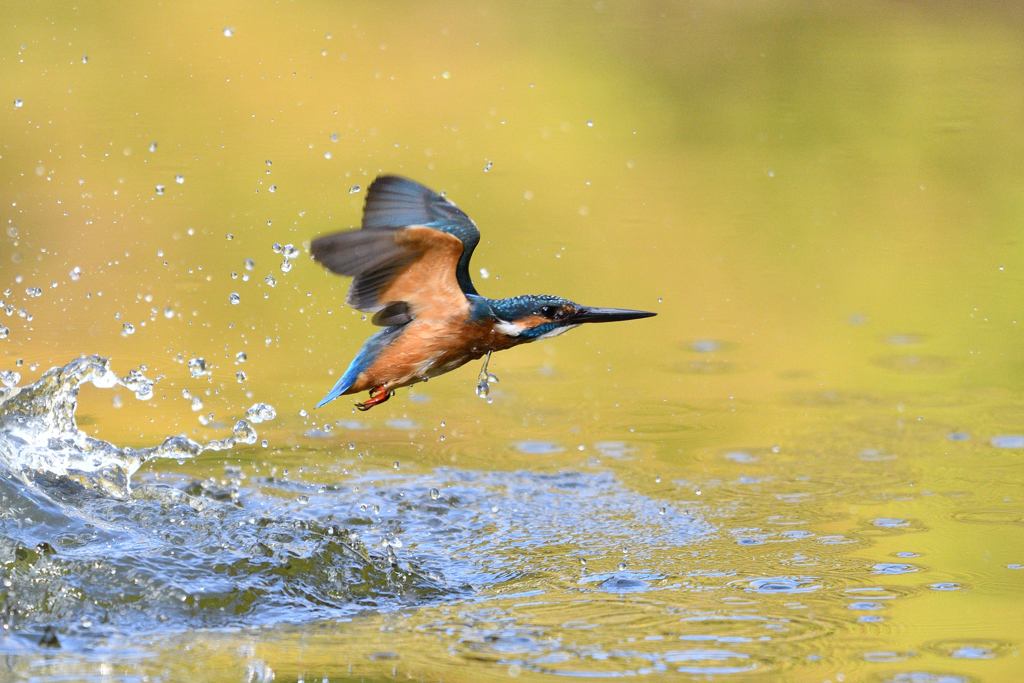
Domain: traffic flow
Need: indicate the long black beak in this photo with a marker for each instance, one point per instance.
(587, 314)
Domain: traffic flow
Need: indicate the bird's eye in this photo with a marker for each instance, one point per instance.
(549, 311)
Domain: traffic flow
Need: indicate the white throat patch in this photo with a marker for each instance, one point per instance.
(507, 328)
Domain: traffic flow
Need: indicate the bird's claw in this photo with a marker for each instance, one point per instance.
(377, 396)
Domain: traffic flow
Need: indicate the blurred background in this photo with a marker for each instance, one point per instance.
(822, 202)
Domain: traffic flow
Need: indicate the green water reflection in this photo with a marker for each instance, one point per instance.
(823, 204)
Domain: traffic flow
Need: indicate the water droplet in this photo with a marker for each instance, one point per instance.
(197, 404)
(327, 155)
(590, 124)
(240, 376)
(354, 189)
(168, 312)
(197, 367)
(290, 251)
(243, 432)
(33, 292)
(583, 561)
(657, 479)
(234, 298)
(260, 412)
(234, 275)
(75, 274)
(241, 357)
(4, 331)
(334, 137)
(228, 31)
(9, 378)
(622, 566)
(303, 413)
(159, 189)
(18, 103)
(249, 264)
(661, 511)
(179, 179)
(395, 465)
(128, 329)
(152, 147)
(446, 75)
(117, 401)
(286, 265)
(271, 282)
(276, 247)
(273, 188)
(434, 494)
(85, 59)
(264, 443)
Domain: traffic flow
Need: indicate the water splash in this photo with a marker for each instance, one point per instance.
(40, 442)
(484, 379)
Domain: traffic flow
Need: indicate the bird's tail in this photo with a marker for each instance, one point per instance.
(340, 388)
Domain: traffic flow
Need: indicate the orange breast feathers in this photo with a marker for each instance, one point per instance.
(440, 337)
(426, 348)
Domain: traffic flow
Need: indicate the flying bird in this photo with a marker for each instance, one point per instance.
(410, 262)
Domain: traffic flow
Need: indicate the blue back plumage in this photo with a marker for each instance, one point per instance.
(364, 359)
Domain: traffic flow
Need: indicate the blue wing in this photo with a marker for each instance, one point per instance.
(375, 256)
(363, 360)
(396, 202)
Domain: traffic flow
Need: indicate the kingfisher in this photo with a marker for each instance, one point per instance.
(410, 261)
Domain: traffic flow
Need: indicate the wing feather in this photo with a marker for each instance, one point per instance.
(413, 249)
(415, 265)
(373, 258)
(396, 202)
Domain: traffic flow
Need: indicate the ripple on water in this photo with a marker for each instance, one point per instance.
(970, 648)
(705, 345)
(740, 457)
(622, 582)
(917, 364)
(780, 585)
(893, 568)
(990, 516)
(704, 366)
(1008, 441)
(538, 636)
(888, 656)
(922, 677)
(538, 447)
(357, 425)
(614, 449)
(407, 425)
(889, 526)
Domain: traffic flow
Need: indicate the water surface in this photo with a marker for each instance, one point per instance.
(805, 468)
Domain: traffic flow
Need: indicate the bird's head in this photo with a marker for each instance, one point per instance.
(533, 317)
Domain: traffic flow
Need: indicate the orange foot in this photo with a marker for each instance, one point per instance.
(377, 396)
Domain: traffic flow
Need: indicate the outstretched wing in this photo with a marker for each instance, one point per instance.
(396, 202)
(410, 258)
